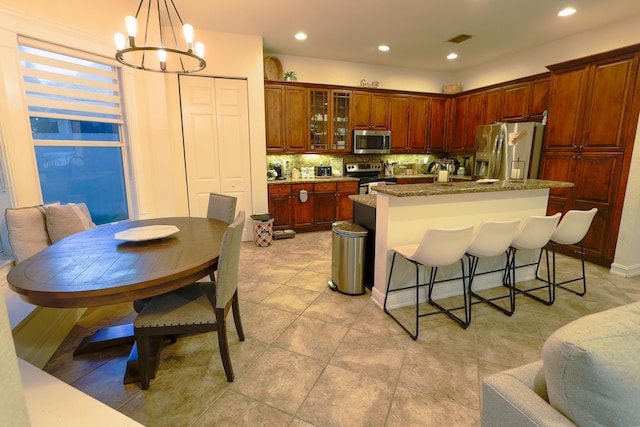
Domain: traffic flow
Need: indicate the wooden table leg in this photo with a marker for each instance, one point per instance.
(105, 338)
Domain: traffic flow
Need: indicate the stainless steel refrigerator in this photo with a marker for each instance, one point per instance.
(508, 150)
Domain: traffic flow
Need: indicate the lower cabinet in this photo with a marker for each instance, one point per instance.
(311, 206)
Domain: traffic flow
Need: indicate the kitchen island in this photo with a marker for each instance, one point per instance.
(404, 212)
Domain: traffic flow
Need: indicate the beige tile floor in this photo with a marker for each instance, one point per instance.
(313, 357)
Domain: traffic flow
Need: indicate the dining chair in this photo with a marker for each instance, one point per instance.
(492, 239)
(196, 308)
(222, 207)
(572, 228)
(533, 234)
(439, 247)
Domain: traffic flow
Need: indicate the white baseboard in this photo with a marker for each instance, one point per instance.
(625, 270)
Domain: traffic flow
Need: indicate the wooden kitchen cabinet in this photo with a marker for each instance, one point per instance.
(419, 111)
(303, 212)
(467, 112)
(344, 205)
(514, 100)
(280, 205)
(399, 122)
(370, 110)
(324, 195)
(538, 98)
(492, 111)
(286, 119)
(592, 117)
(438, 120)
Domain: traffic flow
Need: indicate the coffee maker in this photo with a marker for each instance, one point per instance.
(277, 167)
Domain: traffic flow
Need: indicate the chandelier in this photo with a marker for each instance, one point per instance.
(160, 50)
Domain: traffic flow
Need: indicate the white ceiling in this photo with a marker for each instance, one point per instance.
(416, 30)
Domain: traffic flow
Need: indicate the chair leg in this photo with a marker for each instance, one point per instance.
(235, 307)
(386, 297)
(448, 311)
(142, 342)
(550, 283)
(223, 343)
(506, 282)
(583, 277)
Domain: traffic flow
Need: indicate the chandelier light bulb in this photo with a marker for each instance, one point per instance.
(200, 49)
(187, 29)
(132, 25)
(121, 40)
(162, 55)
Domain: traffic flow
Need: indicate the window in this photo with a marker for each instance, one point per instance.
(76, 126)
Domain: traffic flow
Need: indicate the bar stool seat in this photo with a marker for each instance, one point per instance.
(439, 247)
(572, 228)
(492, 239)
(533, 234)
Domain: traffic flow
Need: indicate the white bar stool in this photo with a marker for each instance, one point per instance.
(438, 248)
(534, 234)
(571, 230)
(491, 239)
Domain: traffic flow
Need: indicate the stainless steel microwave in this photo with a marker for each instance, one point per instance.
(371, 141)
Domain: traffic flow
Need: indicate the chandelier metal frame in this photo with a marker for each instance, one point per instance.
(169, 59)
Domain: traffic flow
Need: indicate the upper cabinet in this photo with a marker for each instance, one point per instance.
(329, 112)
(370, 110)
(418, 124)
(399, 122)
(286, 119)
(591, 105)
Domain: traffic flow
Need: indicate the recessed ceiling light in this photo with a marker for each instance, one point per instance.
(567, 11)
(452, 56)
(383, 48)
(301, 36)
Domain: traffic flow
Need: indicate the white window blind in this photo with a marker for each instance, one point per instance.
(60, 85)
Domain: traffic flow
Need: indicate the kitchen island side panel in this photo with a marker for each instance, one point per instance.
(404, 220)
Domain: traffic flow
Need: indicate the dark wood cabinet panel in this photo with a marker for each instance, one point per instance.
(611, 87)
(539, 98)
(515, 100)
(280, 203)
(476, 117)
(370, 110)
(399, 123)
(344, 205)
(274, 118)
(303, 212)
(568, 92)
(492, 111)
(438, 119)
(459, 117)
(296, 120)
(419, 115)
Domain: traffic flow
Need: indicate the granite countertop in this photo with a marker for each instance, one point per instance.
(411, 190)
(312, 180)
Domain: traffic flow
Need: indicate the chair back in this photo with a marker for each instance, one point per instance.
(573, 227)
(222, 207)
(227, 276)
(535, 232)
(493, 238)
(443, 246)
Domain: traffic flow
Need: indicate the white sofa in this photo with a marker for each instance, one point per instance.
(589, 375)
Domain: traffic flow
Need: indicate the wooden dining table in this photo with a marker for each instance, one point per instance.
(95, 268)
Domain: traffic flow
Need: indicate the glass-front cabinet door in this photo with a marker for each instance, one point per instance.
(340, 120)
(319, 119)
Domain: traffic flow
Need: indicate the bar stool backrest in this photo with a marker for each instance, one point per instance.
(493, 238)
(535, 231)
(573, 227)
(443, 246)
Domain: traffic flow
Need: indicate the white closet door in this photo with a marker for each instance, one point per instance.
(215, 122)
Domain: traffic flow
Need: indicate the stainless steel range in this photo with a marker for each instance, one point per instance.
(368, 173)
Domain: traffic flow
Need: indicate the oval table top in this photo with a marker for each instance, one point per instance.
(92, 268)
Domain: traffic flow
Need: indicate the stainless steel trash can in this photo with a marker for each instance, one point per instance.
(347, 258)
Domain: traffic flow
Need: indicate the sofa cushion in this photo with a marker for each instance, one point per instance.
(65, 220)
(27, 231)
(592, 370)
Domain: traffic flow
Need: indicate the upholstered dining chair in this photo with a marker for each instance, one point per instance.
(572, 228)
(439, 247)
(222, 207)
(196, 308)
